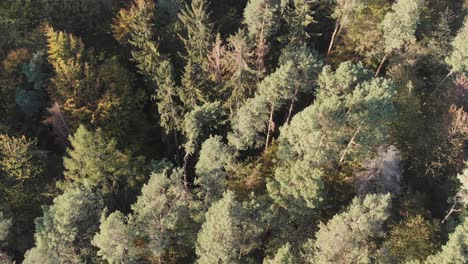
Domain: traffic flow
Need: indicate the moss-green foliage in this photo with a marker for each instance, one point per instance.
(107, 169)
(64, 232)
(159, 223)
(457, 60)
(455, 250)
(253, 123)
(412, 239)
(349, 236)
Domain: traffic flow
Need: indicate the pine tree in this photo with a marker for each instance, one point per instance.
(229, 233)
(250, 124)
(399, 27)
(282, 256)
(455, 251)
(63, 233)
(5, 225)
(348, 236)
(307, 65)
(114, 239)
(262, 20)
(459, 56)
(277, 88)
(198, 125)
(215, 158)
(161, 215)
(342, 13)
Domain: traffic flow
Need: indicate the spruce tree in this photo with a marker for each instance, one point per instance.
(198, 31)
(93, 161)
(239, 65)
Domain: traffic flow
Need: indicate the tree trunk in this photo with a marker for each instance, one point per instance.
(184, 168)
(270, 125)
(334, 35)
(438, 86)
(291, 107)
(176, 142)
(380, 66)
(349, 145)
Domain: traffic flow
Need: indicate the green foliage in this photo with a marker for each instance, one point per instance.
(455, 250)
(239, 65)
(163, 196)
(160, 223)
(229, 233)
(5, 225)
(348, 236)
(198, 31)
(399, 25)
(299, 17)
(146, 53)
(95, 163)
(278, 86)
(114, 239)
(169, 110)
(21, 168)
(412, 239)
(249, 124)
(200, 123)
(262, 18)
(102, 95)
(458, 58)
(215, 159)
(63, 233)
(283, 256)
(297, 186)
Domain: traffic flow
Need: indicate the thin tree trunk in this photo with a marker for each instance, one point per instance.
(438, 86)
(184, 168)
(450, 212)
(334, 35)
(176, 142)
(291, 107)
(381, 64)
(270, 124)
(349, 144)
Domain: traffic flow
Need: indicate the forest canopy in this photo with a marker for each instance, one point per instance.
(234, 131)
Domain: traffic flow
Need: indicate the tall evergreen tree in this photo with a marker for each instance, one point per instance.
(228, 232)
(262, 20)
(348, 236)
(456, 249)
(63, 233)
(94, 162)
(198, 31)
(239, 65)
(399, 27)
(215, 159)
(250, 124)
